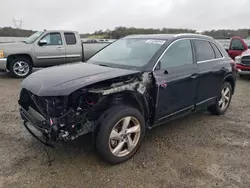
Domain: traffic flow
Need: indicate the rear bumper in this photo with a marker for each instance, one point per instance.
(3, 64)
(242, 69)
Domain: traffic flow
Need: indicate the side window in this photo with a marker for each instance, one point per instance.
(179, 53)
(70, 38)
(204, 50)
(217, 51)
(53, 39)
(237, 44)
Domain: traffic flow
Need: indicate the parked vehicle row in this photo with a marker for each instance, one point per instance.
(134, 84)
(44, 49)
(50, 48)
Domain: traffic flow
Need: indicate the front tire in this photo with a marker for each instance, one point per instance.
(20, 67)
(223, 101)
(121, 131)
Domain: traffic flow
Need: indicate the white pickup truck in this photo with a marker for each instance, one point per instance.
(44, 49)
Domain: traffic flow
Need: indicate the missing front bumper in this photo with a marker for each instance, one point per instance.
(36, 128)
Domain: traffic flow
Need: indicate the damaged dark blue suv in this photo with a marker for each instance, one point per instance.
(130, 86)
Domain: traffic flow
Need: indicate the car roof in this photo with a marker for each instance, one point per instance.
(170, 36)
(66, 31)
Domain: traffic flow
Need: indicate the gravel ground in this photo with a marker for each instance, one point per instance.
(200, 150)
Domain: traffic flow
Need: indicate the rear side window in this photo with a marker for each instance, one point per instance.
(216, 51)
(204, 50)
(70, 38)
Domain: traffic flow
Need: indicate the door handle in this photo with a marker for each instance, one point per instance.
(195, 75)
(59, 48)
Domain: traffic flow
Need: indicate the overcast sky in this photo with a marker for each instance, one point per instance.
(90, 15)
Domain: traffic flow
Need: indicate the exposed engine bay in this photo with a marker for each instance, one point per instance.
(67, 117)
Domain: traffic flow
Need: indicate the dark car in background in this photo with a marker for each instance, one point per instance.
(132, 85)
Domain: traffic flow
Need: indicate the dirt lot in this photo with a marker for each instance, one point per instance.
(200, 150)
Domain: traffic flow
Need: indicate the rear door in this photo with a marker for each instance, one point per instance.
(73, 47)
(51, 53)
(212, 69)
(176, 80)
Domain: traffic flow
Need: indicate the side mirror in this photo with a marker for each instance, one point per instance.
(42, 42)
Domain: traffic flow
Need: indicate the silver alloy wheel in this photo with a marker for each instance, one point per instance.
(21, 68)
(225, 98)
(124, 136)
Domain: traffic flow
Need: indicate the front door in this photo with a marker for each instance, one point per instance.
(176, 80)
(51, 51)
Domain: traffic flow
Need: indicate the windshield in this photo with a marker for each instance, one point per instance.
(128, 53)
(33, 37)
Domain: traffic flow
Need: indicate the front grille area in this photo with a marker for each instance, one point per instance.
(26, 101)
(245, 60)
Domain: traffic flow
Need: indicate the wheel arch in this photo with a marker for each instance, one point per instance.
(129, 98)
(231, 80)
(133, 99)
(10, 58)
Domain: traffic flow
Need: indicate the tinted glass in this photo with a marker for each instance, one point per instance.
(53, 39)
(237, 45)
(179, 53)
(204, 50)
(129, 52)
(217, 51)
(70, 38)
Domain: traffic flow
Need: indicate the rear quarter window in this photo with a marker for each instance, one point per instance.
(70, 38)
(204, 50)
(217, 52)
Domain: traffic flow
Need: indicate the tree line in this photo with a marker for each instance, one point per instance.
(119, 32)
(13, 32)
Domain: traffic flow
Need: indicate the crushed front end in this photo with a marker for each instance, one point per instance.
(68, 117)
(58, 118)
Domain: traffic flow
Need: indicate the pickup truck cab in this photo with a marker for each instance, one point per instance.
(239, 50)
(44, 49)
(238, 46)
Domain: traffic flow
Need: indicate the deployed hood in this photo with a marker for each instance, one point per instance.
(64, 79)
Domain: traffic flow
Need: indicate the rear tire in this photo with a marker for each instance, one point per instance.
(20, 67)
(120, 133)
(223, 101)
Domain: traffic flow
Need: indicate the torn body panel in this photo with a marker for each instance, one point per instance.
(67, 117)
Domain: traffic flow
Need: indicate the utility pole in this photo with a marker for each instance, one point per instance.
(18, 24)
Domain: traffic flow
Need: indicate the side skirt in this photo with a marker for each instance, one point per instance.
(184, 112)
